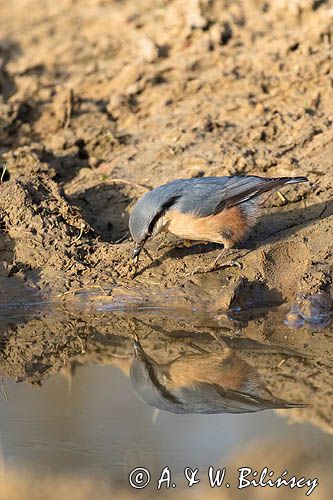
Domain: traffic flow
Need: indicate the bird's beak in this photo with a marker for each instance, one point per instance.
(137, 346)
(136, 252)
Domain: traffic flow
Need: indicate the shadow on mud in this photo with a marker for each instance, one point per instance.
(105, 208)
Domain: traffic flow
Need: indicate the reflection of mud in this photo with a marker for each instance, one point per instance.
(16, 298)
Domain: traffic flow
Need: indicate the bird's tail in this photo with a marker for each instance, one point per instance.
(281, 404)
(293, 180)
(257, 189)
(274, 402)
(275, 183)
(137, 344)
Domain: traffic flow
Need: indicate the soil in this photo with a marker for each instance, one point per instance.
(102, 100)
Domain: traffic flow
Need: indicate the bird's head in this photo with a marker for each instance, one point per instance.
(147, 215)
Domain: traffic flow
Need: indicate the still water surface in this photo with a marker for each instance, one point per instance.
(86, 419)
(100, 425)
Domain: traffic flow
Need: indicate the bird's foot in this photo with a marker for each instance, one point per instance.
(228, 263)
(217, 264)
(176, 244)
(219, 339)
(215, 267)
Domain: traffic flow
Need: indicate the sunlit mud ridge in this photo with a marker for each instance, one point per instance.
(185, 89)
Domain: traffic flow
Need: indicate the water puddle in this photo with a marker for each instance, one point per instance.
(92, 391)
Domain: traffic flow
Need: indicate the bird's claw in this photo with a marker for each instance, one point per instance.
(229, 263)
(215, 267)
(174, 245)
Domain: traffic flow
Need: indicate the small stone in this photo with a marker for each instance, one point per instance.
(148, 49)
(221, 34)
(194, 17)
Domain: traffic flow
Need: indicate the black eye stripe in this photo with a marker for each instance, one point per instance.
(164, 208)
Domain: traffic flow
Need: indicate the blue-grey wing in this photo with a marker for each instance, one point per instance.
(211, 398)
(211, 195)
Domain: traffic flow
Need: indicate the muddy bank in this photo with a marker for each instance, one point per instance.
(101, 101)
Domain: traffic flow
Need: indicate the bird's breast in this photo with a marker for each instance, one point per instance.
(226, 227)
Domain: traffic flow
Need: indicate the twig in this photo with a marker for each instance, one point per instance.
(68, 111)
(80, 233)
(281, 196)
(120, 240)
(123, 181)
(77, 290)
(4, 170)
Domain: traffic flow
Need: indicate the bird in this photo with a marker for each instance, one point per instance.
(209, 209)
(203, 383)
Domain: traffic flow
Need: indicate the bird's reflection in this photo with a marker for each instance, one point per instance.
(202, 383)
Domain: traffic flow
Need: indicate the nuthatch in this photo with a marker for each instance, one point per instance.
(202, 383)
(210, 209)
